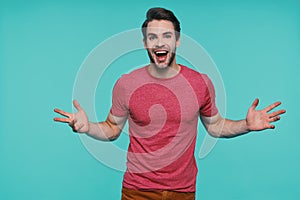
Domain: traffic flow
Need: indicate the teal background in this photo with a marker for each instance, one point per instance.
(255, 44)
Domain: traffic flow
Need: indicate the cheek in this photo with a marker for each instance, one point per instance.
(171, 43)
(172, 46)
(148, 45)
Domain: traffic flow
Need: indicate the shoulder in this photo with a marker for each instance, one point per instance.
(139, 72)
(193, 75)
(129, 80)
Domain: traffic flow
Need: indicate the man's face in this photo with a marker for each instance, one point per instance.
(161, 43)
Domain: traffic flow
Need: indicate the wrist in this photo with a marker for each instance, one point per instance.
(247, 126)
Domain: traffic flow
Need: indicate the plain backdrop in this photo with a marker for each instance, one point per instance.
(255, 45)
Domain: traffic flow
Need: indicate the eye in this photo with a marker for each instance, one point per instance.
(151, 37)
(168, 36)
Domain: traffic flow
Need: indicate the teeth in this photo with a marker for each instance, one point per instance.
(161, 52)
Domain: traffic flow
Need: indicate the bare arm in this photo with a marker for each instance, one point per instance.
(256, 120)
(108, 130)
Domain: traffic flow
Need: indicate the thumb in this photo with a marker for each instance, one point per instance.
(254, 104)
(76, 105)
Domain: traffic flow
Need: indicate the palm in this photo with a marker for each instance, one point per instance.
(261, 119)
(78, 121)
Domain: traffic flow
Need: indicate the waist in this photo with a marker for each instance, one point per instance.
(155, 194)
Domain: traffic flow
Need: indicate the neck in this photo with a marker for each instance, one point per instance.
(168, 72)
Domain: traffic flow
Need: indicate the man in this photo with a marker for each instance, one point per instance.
(162, 103)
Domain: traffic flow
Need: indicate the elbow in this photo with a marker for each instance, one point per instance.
(216, 128)
(214, 134)
(213, 130)
(113, 136)
(219, 134)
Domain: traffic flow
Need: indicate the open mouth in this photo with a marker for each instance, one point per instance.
(161, 55)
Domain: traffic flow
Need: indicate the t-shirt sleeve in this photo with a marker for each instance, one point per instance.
(209, 107)
(118, 107)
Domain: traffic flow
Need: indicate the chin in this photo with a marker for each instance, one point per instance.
(161, 65)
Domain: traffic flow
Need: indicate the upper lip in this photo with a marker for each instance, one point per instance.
(160, 51)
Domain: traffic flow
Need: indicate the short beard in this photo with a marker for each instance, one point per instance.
(171, 58)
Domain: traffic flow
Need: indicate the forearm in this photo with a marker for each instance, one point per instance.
(232, 128)
(217, 126)
(102, 131)
(256, 120)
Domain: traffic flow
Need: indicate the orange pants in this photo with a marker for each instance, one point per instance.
(129, 194)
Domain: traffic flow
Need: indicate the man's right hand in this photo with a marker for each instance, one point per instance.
(77, 121)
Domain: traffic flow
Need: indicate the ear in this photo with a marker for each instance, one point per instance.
(145, 43)
(178, 42)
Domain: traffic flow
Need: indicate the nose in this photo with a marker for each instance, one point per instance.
(159, 43)
(159, 46)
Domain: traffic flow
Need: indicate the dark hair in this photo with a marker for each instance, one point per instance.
(161, 14)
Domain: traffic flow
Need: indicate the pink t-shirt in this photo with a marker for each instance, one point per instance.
(163, 116)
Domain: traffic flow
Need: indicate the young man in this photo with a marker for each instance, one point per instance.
(162, 103)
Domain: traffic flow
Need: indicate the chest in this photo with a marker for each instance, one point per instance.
(156, 103)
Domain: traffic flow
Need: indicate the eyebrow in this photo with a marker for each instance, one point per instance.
(150, 34)
(165, 33)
